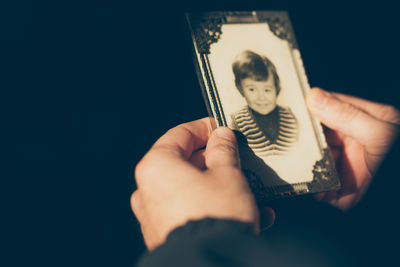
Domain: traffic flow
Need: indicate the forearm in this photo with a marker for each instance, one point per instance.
(212, 242)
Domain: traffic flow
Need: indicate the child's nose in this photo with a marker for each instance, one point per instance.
(262, 95)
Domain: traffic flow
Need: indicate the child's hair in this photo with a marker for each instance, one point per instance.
(248, 64)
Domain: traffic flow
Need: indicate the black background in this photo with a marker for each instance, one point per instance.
(87, 87)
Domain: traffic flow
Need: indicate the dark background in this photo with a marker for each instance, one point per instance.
(87, 87)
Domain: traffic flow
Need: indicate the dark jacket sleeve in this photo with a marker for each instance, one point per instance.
(212, 242)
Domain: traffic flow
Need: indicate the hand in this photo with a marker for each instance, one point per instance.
(178, 182)
(359, 134)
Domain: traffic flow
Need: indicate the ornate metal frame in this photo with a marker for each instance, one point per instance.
(205, 29)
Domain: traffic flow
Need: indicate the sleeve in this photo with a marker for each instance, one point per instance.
(212, 242)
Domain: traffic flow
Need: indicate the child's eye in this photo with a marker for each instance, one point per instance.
(251, 89)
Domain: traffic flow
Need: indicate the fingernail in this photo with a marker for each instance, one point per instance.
(318, 98)
(225, 133)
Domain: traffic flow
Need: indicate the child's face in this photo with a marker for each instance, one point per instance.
(260, 95)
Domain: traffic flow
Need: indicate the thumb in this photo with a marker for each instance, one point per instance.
(342, 116)
(222, 149)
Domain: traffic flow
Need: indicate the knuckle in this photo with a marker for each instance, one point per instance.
(134, 198)
(347, 113)
(391, 114)
(174, 129)
(164, 149)
(135, 204)
(140, 170)
(183, 127)
(226, 148)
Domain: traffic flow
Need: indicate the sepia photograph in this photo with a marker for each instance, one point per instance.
(252, 73)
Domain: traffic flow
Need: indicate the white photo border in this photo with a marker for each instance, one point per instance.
(205, 29)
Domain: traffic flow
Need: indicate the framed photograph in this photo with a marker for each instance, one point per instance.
(253, 81)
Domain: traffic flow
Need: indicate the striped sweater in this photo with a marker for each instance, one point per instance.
(285, 132)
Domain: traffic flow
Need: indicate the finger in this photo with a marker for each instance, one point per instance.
(198, 159)
(335, 142)
(336, 153)
(183, 139)
(267, 218)
(320, 196)
(330, 197)
(135, 204)
(333, 138)
(345, 202)
(222, 149)
(342, 116)
(380, 111)
(172, 151)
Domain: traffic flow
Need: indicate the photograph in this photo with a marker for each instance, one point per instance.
(199, 133)
(254, 81)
